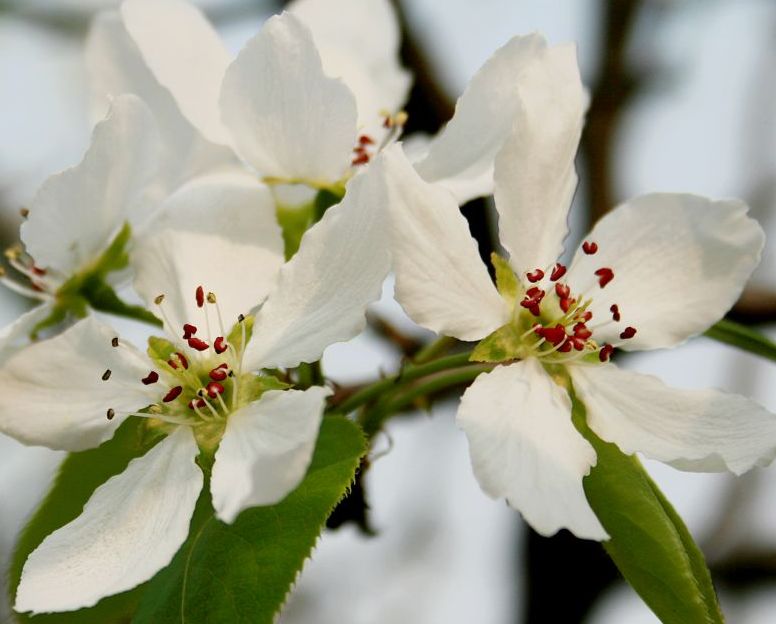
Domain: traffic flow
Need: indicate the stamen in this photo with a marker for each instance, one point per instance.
(106, 375)
(173, 394)
(558, 272)
(110, 413)
(220, 345)
(605, 275)
(211, 297)
(615, 310)
(24, 212)
(219, 373)
(554, 335)
(365, 139)
(181, 360)
(195, 403)
(628, 332)
(114, 342)
(535, 276)
(214, 389)
(361, 159)
(151, 378)
(189, 330)
(200, 296)
(566, 303)
(581, 331)
(563, 291)
(198, 344)
(589, 247)
(605, 353)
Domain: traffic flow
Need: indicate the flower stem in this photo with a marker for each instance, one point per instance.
(409, 373)
(372, 420)
(434, 349)
(743, 337)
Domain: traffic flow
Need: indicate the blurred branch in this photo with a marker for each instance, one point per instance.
(614, 87)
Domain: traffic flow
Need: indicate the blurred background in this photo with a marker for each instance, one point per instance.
(683, 98)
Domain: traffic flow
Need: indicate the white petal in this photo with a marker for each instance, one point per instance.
(699, 430)
(130, 528)
(534, 174)
(323, 291)
(185, 54)
(286, 117)
(76, 213)
(525, 448)
(441, 281)
(358, 41)
(680, 262)
(54, 395)
(116, 66)
(461, 157)
(266, 450)
(218, 232)
(17, 334)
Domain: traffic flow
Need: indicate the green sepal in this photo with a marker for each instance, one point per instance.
(253, 386)
(503, 344)
(325, 199)
(294, 222)
(160, 349)
(235, 337)
(648, 542)
(506, 281)
(78, 476)
(243, 572)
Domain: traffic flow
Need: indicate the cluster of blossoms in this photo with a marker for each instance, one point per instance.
(180, 193)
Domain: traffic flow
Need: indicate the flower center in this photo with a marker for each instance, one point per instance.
(557, 325)
(201, 384)
(35, 282)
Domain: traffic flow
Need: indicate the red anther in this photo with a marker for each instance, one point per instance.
(585, 316)
(577, 343)
(535, 276)
(566, 303)
(361, 159)
(605, 275)
(605, 353)
(628, 332)
(535, 293)
(615, 310)
(558, 272)
(181, 359)
(189, 330)
(365, 139)
(534, 309)
(554, 335)
(152, 377)
(563, 291)
(532, 304)
(219, 344)
(38, 271)
(173, 364)
(219, 373)
(200, 296)
(214, 389)
(196, 403)
(566, 346)
(198, 344)
(387, 122)
(581, 331)
(173, 394)
(589, 248)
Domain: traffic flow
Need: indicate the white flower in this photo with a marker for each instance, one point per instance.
(201, 386)
(279, 107)
(77, 215)
(281, 104)
(652, 273)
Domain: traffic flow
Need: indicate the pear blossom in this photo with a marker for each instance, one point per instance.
(211, 267)
(334, 74)
(78, 214)
(652, 273)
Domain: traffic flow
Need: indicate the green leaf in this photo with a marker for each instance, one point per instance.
(649, 542)
(242, 573)
(80, 474)
(743, 337)
(506, 280)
